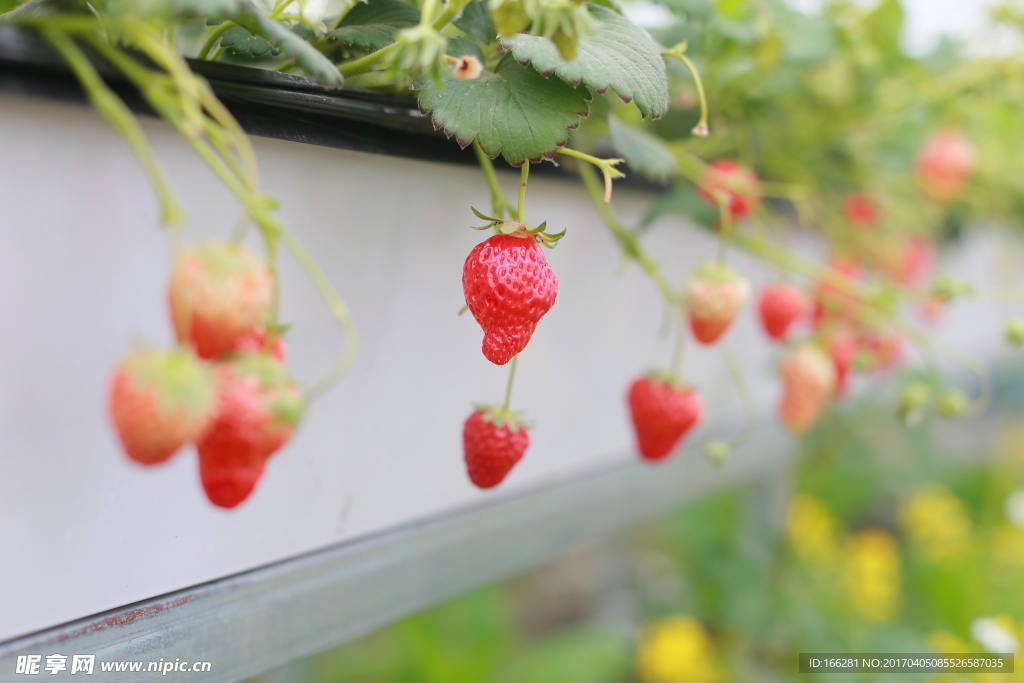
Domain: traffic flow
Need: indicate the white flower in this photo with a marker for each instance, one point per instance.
(993, 636)
(1015, 508)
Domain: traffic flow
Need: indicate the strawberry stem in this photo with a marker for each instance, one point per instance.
(628, 241)
(725, 228)
(120, 117)
(508, 387)
(500, 206)
(523, 177)
(607, 167)
(679, 348)
(338, 309)
(679, 52)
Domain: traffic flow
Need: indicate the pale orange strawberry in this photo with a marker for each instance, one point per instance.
(713, 297)
(808, 377)
(218, 294)
(159, 401)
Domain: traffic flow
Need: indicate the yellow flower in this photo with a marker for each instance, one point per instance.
(872, 574)
(811, 530)
(1008, 547)
(937, 524)
(677, 650)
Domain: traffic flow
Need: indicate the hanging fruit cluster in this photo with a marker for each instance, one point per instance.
(822, 123)
(224, 387)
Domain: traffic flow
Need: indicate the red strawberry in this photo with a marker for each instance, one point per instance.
(842, 347)
(509, 286)
(218, 293)
(256, 342)
(780, 306)
(945, 165)
(883, 350)
(713, 297)
(809, 379)
(493, 441)
(860, 210)
(159, 401)
(832, 301)
(915, 260)
(258, 408)
(663, 412)
(735, 182)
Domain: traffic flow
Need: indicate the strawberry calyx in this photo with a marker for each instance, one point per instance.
(668, 378)
(716, 272)
(517, 229)
(502, 417)
(178, 377)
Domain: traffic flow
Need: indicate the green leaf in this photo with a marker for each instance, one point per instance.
(476, 21)
(373, 24)
(513, 111)
(312, 61)
(617, 54)
(644, 153)
(692, 9)
(459, 46)
(168, 8)
(885, 23)
(809, 39)
(239, 41)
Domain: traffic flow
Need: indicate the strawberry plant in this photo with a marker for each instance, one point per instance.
(757, 121)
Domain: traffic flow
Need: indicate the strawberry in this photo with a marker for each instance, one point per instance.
(842, 347)
(915, 260)
(882, 350)
(735, 182)
(256, 342)
(509, 286)
(831, 301)
(159, 401)
(258, 408)
(218, 293)
(809, 379)
(663, 411)
(860, 210)
(713, 297)
(493, 440)
(780, 306)
(945, 165)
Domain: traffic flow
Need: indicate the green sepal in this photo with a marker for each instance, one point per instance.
(501, 417)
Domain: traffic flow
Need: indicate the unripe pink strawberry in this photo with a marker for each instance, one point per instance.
(842, 347)
(218, 293)
(780, 306)
(663, 411)
(733, 181)
(509, 287)
(834, 302)
(808, 378)
(713, 297)
(258, 408)
(159, 401)
(257, 342)
(493, 441)
(860, 210)
(945, 165)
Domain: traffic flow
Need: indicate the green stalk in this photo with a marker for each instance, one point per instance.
(213, 38)
(121, 119)
(523, 177)
(627, 240)
(511, 380)
(499, 204)
(449, 14)
(364, 64)
(338, 309)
